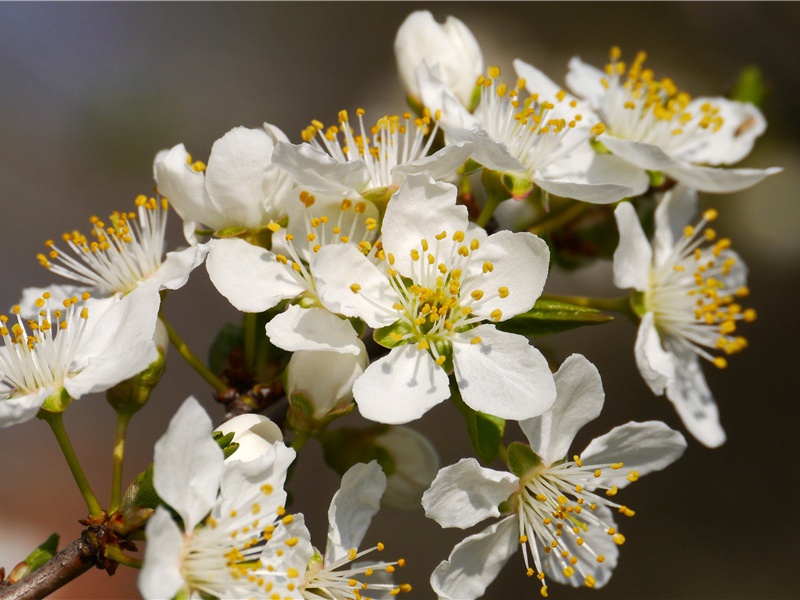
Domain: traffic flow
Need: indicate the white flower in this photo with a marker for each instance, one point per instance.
(436, 283)
(689, 283)
(543, 138)
(557, 510)
(371, 162)
(335, 575)
(241, 189)
(77, 347)
(227, 510)
(123, 252)
(656, 127)
(450, 48)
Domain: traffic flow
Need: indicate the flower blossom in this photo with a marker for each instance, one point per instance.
(657, 127)
(689, 282)
(75, 347)
(124, 252)
(558, 511)
(450, 49)
(370, 163)
(542, 139)
(227, 510)
(433, 284)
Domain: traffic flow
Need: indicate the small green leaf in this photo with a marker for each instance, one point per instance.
(392, 335)
(548, 317)
(485, 431)
(43, 552)
(750, 86)
(521, 459)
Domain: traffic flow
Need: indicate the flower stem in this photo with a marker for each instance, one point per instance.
(56, 423)
(299, 441)
(191, 358)
(560, 219)
(492, 202)
(621, 304)
(117, 555)
(123, 418)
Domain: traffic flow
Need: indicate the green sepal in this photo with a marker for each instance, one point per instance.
(475, 98)
(36, 559)
(657, 178)
(599, 147)
(750, 86)
(230, 232)
(493, 184)
(519, 187)
(392, 335)
(138, 503)
(301, 415)
(637, 303)
(469, 167)
(57, 402)
(345, 447)
(226, 443)
(522, 459)
(548, 317)
(485, 431)
(132, 394)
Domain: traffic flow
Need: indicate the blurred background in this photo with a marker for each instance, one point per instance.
(90, 92)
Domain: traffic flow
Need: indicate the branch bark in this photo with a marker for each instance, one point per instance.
(75, 559)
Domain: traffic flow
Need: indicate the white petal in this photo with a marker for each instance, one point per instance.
(520, 262)
(641, 447)
(488, 152)
(240, 176)
(643, 155)
(537, 82)
(656, 365)
(161, 576)
(352, 508)
(188, 464)
(337, 268)
(248, 276)
(421, 209)
(475, 562)
(633, 256)
(119, 344)
(325, 378)
(584, 80)
(742, 123)
(440, 165)
(606, 179)
(464, 494)
(317, 170)
(185, 188)
(174, 271)
(401, 386)
(718, 180)
(22, 408)
(693, 401)
(313, 329)
(243, 480)
(437, 96)
(580, 399)
(503, 375)
(673, 213)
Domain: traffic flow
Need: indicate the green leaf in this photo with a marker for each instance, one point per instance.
(43, 552)
(750, 86)
(485, 431)
(521, 459)
(548, 317)
(229, 336)
(138, 503)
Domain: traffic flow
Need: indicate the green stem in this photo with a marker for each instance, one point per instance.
(117, 555)
(502, 452)
(560, 219)
(299, 441)
(123, 418)
(621, 304)
(492, 202)
(56, 423)
(191, 358)
(249, 322)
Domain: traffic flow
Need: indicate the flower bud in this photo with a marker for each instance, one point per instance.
(253, 433)
(450, 46)
(416, 463)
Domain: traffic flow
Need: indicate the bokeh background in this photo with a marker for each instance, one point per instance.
(90, 92)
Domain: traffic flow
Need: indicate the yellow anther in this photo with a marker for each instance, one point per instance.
(619, 539)
(355, 288)
(633, 476)
(598, 473)
(496, 314)
(589, 581)
(710, 214)
(626, 511)
(720, 362)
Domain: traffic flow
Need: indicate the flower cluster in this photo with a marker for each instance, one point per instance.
(376, 275)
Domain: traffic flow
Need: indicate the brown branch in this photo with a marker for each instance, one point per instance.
(74, 560)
